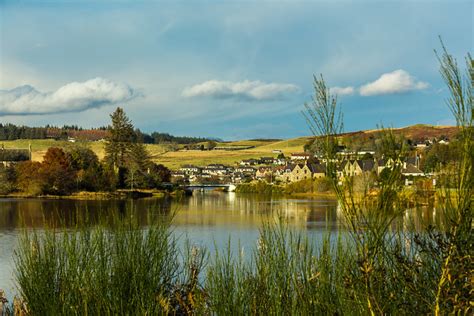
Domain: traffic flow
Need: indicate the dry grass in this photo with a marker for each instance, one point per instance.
(201, 158)
(160, 155)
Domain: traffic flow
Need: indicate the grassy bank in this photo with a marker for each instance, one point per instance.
(86, 195)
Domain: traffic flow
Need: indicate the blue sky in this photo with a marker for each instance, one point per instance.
(228, 69)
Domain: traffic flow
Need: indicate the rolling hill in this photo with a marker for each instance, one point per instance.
(174, 159)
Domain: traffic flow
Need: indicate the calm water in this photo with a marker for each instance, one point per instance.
(207, 219)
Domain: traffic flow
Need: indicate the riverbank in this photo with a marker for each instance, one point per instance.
(86, 195)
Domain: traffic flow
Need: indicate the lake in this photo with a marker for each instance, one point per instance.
(207, 219)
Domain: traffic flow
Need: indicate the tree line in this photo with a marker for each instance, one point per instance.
(14, 132)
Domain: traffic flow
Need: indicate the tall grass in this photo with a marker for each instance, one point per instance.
(286, 275)
(125, 270)
(113, 269)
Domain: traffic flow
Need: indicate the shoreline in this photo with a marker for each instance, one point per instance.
(85, 195)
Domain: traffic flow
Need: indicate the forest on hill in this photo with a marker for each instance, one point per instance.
(14, 132)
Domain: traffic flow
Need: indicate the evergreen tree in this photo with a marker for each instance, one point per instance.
(138, 165)
(120, 139)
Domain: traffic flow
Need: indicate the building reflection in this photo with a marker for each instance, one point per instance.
(214, 208)
(202, 209)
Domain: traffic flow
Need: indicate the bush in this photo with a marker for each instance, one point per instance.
(29, 179)
(319, 185)
(7, 179)
(261, 187)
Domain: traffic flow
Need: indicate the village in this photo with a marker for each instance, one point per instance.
(280, 169)
(296, 167)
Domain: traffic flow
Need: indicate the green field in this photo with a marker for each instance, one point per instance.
(175, 159)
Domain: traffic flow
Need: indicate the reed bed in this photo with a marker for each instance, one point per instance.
(125, 269)
(114, 269)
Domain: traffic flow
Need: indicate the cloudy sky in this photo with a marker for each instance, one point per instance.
(228, 69)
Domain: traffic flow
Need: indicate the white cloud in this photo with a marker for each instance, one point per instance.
(398, 81)
(72, 97)
(342, 90)
(250, 90)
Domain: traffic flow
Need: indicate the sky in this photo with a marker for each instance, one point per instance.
(227, 69)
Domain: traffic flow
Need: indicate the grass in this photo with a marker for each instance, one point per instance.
(256, 143)
(113, 269)
(201, 158)
(174, 159)
(40, 146)
(120, 268)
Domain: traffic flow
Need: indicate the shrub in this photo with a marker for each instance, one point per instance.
(29, 178)
(261, 187)
(319, 185)
(7, 179)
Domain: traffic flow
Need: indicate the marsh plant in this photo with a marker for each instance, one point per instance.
(115, 268)
(375, 265)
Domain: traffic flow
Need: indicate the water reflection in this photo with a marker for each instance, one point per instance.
(201, 209)
(209, 209)
(206, 218)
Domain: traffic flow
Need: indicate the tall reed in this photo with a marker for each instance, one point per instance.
(119, 268)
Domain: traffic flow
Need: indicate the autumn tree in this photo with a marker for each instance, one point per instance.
(29, 179)
(57, 174)
(439, 156)
(91, 174)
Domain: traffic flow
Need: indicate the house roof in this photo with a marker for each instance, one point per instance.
(409, 169)
(317, 168)
(366, 165)
(290, 167)
(342, 165)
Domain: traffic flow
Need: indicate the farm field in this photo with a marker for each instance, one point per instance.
(174, 159)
